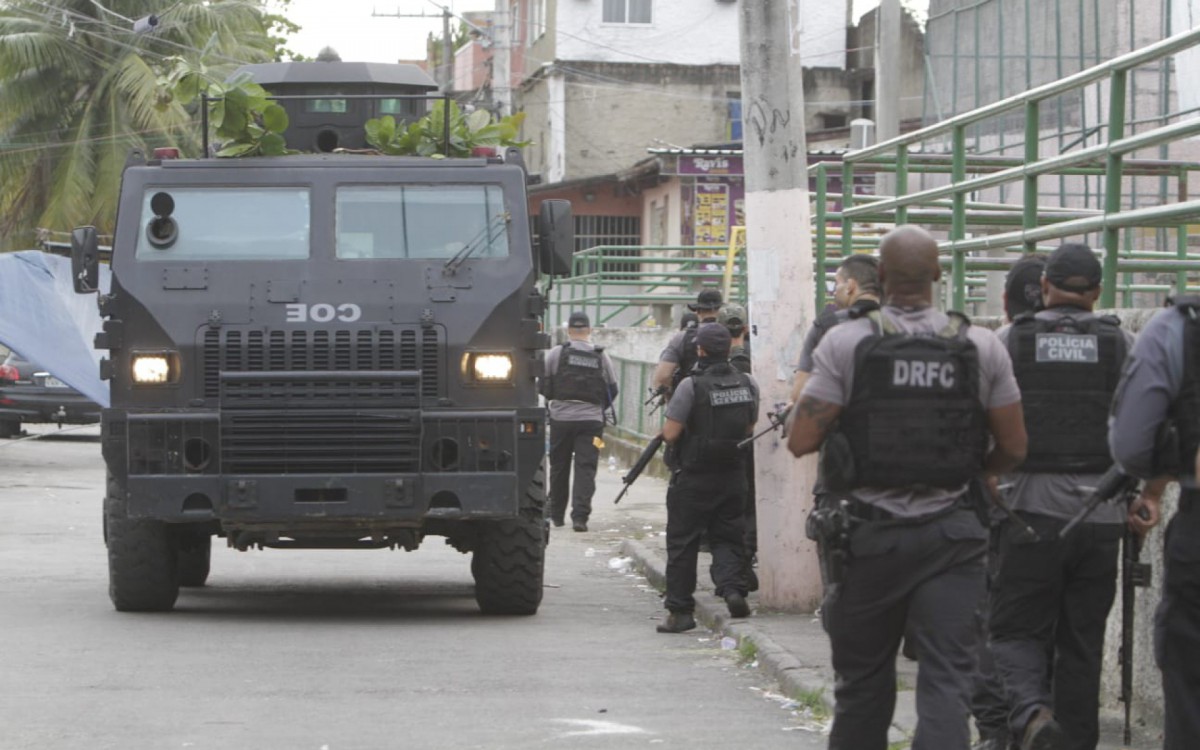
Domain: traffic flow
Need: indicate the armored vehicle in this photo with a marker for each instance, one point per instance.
(324, 351)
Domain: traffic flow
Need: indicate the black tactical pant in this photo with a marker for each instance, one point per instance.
(1177, 628)
(988, 705)
(1052, 596)
(700, 505)
(575, 440)
(926, 577)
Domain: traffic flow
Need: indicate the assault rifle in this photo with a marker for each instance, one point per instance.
(658, 397)
(1114, 483)
(640, 466)
(1134, 573)
(776, 419)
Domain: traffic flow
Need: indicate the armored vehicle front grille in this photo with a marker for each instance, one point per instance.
(351, 441)
(367, 349)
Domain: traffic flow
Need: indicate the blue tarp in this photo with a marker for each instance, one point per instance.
(46, 322)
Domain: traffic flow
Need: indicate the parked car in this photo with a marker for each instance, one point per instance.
(30, 394)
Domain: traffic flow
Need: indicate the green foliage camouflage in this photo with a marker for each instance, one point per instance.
(426, 136)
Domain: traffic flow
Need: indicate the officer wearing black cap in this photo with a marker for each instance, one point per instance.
(910, 404)
(1022, 294)
(734, 318)
(1051, 597)
(1154, 432)
(712, 410)
(580, 385)
(679, 357)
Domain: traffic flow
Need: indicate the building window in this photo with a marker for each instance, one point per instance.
(537, 20)
(831, 121)
(627, 11)
(626, 231)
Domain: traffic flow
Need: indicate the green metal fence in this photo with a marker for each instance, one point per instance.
(621, 281)
(950, 205)
(634, 420)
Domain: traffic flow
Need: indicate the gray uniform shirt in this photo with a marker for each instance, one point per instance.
(673, 352)
(832, 381)
(1058, 495)
(679, 408)
(1152, 380)
(578, 411)
(815, 334)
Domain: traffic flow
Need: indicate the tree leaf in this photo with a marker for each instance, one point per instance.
(272, 144)
(479, 119)
(275, 118)
(237, 149)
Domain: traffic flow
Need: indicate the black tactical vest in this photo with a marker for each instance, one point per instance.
(580, 376)
(723, 408)
(1068, 370)
(914, 417)
(687, 358)
(1185, 411)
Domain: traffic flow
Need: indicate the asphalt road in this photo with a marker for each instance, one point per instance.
(333, 650)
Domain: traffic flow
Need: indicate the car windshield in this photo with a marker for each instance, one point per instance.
(230, 224)
(421, 221)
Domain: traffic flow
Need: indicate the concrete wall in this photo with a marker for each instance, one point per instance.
(912, 61)
(616, 111)
(646, 344)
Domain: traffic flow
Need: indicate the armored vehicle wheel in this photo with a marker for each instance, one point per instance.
(510, 558)
(141, 559)
(193, 553)
(10, 428)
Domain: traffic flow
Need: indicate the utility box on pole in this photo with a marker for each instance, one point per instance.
(781, 287)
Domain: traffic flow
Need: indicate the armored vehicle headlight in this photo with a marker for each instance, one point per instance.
(492, 368)
(151, 368)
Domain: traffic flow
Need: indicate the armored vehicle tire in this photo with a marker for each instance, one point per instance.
(142, 569)
(510, 558)
(10, 428)
(193, 554)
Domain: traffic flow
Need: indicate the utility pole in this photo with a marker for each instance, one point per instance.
(887, 83)
(445, 71)
(782, 295)
(502, 60)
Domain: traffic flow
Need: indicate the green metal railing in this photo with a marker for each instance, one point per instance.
(1033, 223)
(609, 280)
(634, 383)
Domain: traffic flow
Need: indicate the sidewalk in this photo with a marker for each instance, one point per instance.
(790, 648)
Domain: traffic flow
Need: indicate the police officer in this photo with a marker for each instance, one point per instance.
(1051, 597)
(712, 410)
(1153, 433)
(679, 357)
(1022, 295)
(733, 317)
(855, 291)
(580, 384)
(905, 400)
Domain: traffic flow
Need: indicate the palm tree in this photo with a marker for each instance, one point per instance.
(79, 89)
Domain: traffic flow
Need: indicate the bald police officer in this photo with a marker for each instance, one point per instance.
(712, 410)
(1154, 431)
(1051, 596)
(905, 401)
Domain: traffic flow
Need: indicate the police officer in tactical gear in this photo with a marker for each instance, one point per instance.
(1022, 294)
(733, 317)
(580, 385)
(855, 291)
(1050, 597)
(905, 400)
(712, 410)
(1154, 432)
(679, 357)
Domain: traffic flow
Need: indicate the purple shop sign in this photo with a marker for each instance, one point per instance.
(715, 165)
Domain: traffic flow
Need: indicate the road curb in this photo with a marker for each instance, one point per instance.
(794, 678)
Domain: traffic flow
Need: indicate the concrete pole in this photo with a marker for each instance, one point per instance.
(502, 60)
(887, 83)
(782, 295)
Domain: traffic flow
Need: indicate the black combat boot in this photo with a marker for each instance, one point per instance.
(677, 622)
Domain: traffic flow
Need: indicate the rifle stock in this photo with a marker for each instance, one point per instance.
(636, 470)
(1134, 574)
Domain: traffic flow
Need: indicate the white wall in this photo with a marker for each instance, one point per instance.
(690, 32)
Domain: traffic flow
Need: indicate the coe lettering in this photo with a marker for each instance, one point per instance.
(915, 373)
(323, 312)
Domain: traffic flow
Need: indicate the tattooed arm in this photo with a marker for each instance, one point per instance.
(810, 421)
